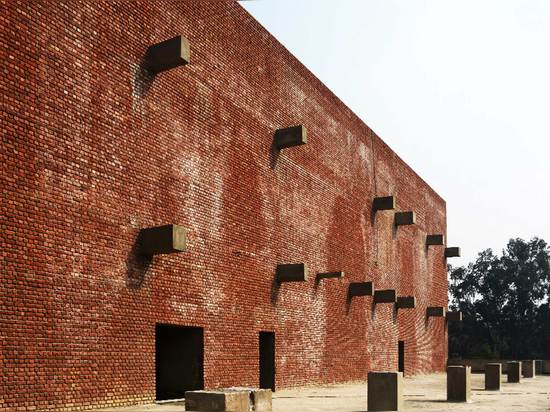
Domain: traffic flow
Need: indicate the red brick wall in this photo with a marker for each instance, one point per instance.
(92, 152)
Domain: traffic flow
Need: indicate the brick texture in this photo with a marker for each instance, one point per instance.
(93, 149)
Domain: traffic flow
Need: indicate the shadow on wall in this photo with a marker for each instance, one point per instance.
(137, 265)
(143, 80)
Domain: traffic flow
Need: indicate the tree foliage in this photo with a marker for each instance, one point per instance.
(504, 301)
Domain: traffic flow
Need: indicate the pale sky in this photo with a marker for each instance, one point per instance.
(459, 89)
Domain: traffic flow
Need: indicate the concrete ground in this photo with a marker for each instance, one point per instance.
(423, 393)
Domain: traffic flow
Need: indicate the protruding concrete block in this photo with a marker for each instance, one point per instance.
(385, 391)
(290, 136)
(459, 386)
(162, 239)
(385, 296)
(454, 316)
(168, 54)
(330, 275)
(435, 240)
(528, 368)
(360, 289)
(513, 370)
(493, 376)
(383, 203)
(291, 272)
(539, 367)
(435, 311)
(405, 218)
(452, 252)
(222, 400)
(259, 399)
(406, 302)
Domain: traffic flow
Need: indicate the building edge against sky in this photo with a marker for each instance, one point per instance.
(220, 200)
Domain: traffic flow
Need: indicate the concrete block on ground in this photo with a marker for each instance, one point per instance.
(452, 252)
(217, 400)
(435, 240)
(260, 399)
(493, 376)
(360, 289)
(528, 368)
(291, 272)
(514, 372)
(290, 136)
(459, 383)
(162, 239)
(405, 218)
(383, 203)
(546, 366)
(385, 296)
(435, 311)
(385, 391)
(406, 302)
(168, 54)
(539, 367)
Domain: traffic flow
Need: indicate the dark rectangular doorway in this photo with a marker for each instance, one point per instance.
(401, 361)
(267, 360)
(179, 360)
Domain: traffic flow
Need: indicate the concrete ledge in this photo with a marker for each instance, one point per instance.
(435, 311)
(168, 54)
(405, 218)
(360, 289)
(435, 240)
(290, 137)
(385, 296)
(513, 370)
(528, 368)
(383, 203)
(291, 272)
(406, 302)
(162, 239)
(493, 376)
(454, 316)
(385, 391)
(452, 252)
(459, 386)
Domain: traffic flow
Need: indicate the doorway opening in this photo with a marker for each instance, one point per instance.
(267, 360)
(401, 360)
(179, 360)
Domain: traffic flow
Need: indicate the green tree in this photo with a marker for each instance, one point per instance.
(504, 300)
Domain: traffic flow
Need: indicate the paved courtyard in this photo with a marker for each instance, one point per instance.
(426, 393)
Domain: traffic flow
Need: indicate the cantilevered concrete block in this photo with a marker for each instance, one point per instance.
(291, 136)
(435, 240)
(406, 302)
(528, 368)
(513, 370)
(168, 54)
(459, 386)
(291, 272)
(452, 252)
(385, 296)
(221, 400)
(493, 376)
(330, 275)
(383, 203)
(162, 239)
(454, 316)
(360, 289)
(385, 391)
(539, 367)
(435, 311)
(405, 218)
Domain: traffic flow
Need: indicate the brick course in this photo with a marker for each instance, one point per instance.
(94, 149)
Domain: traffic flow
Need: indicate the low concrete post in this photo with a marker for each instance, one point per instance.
(493, 376)
(385, 391)
(528, 368)
(459, 386)
(514, 372)
(539, 367)
(217, 401)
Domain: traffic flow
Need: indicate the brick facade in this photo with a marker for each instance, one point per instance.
(93, 149)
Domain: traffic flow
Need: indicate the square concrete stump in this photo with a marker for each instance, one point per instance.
(539, 367)
(385, 391)
(514, 372)
(220, 400)
(168, 54)
(162, 239)
(291, 272)
(493, 376)
(528, 368)
(459, 385)
(290, 137)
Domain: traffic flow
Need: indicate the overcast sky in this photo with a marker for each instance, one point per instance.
(459, 89)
